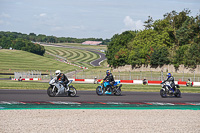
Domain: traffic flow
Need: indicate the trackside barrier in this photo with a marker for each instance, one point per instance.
(27, 79)
(126, 81)
(196, 83)
(182, 83)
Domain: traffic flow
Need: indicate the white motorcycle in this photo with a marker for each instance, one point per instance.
(57, 88)
(167, 90)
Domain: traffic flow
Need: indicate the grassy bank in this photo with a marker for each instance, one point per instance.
(9, 84)
(74, 56)
(18, 61)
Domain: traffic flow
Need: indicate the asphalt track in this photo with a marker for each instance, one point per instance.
(91, 96)
(98, 61)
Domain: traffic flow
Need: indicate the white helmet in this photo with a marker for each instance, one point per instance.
(57, 72)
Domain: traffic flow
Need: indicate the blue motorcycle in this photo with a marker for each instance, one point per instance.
(107, 88)
(167, 90)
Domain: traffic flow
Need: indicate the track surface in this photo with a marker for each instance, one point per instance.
(98, 61)
(90, 96)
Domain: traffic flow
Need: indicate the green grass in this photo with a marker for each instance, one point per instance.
(17, 61)
(75, 56)
(9, 84)
(102, 47)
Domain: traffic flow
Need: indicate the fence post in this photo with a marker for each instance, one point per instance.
(119, 75)
(194, 76)
(75, 74)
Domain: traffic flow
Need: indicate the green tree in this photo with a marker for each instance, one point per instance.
(160, 57)
(118, 42)
(193, 57)
(148, 23)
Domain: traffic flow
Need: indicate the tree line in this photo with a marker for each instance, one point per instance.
(175, 39)
(51, 39)
(8, 41)
(25, 42)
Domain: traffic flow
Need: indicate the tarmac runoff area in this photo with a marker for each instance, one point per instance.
(99, 121)
(72, 117)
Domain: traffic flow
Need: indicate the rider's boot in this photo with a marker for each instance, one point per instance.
(108, 92)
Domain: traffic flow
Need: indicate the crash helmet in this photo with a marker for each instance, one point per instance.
(169, 75)
(107, 72)
(57, 72)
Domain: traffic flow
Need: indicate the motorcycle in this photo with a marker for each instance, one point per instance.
(167, 90)
(115, 89)
(56, 88)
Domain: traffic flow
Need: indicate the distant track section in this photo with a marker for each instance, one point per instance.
(93, 63)
(98, 61)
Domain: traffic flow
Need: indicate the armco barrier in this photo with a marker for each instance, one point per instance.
(154, 82)
(182, 83)
(80, 80)
(27, 79)
(126, 81)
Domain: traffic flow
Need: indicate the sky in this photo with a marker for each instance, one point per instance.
(85, 18)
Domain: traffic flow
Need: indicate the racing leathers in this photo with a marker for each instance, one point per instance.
(63, 79)
(109, 78)
(171, 81)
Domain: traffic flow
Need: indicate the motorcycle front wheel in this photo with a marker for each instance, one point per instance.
(162, 93)
(51, 92)
(72, 91)
(99, 90)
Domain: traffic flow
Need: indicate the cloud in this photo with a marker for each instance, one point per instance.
(43, 14)
(4, 15)
(133, 25)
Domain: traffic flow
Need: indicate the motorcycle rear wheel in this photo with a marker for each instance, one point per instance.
(177, 93)
(117, 91)
(50, 92)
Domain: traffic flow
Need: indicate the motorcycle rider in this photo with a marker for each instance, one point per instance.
(109, 78)
(62, 78)
(170, 79)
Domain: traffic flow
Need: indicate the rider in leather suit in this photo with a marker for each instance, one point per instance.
(170, 79)
(62, 78)
(109, 78)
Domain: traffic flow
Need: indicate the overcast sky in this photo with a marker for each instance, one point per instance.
(85, 18)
